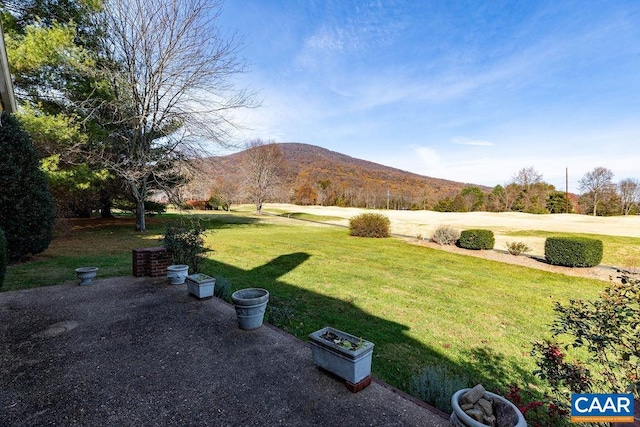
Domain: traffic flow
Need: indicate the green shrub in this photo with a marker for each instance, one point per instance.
(517, 248)
(476, 239)
(445, 235)
(186, 245)
(26, 213)
(369, 225)
(573, 251)
(605, 333)
(3, 257)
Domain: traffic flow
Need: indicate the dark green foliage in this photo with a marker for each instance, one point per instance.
(476, 239)
(369, 225)
(150, 208)
(3, 257)
(186, 245)
(27, 214)
(573, 251)
(606, 332)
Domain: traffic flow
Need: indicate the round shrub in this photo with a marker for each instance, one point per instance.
(369, 225)
(573, 251)
(3, 257)
(445, 235)
(476, 239)
(27, 214)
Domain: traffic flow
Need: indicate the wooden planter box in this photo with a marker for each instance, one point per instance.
(353, 365)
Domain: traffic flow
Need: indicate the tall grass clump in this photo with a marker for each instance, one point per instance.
(517, 248)
(435, 385)
(445, 235)
(370, 225)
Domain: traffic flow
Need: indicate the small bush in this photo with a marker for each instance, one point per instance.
(573, 251)
(517, 248)
(445, 235)
(3, 257)
(186, 245)
(477, 239)
(369, 225)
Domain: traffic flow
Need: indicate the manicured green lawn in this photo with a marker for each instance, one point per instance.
(421, 307)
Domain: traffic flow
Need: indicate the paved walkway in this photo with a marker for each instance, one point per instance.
(139, 352)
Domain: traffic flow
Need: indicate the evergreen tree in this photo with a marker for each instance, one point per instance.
(26, 213)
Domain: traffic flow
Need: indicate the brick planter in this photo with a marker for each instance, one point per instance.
(151, 262)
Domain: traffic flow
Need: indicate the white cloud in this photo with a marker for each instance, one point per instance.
(473, 142)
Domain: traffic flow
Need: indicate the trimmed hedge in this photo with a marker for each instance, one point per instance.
(476, 239)
(3, 257)
(573, 251)
(370, 225)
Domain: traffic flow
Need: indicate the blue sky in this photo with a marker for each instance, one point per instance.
(471, 91)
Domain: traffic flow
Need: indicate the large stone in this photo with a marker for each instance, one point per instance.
(490, 421)
(486, 406)
(472, 396)
(476, 414)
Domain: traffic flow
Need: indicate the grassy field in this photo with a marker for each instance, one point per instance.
(421, 307)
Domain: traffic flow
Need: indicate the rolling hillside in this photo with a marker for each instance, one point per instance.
(314, 175)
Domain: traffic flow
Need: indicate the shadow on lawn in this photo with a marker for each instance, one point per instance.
(300, 311)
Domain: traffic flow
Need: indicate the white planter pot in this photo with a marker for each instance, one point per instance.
(177, 273)
(200, 285)
(460, 419)
(86, 274)
(250, 305)
(352, 365)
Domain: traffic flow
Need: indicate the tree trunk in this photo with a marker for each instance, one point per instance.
(140, 221)
(105, 210)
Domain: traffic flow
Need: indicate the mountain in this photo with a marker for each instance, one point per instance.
(314, 175)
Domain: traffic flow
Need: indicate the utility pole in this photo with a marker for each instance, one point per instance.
(566, 188)
(388, 195)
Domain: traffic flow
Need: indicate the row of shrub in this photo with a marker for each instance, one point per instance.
(564, 251)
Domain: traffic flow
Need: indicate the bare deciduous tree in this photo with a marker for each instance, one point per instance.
(629, 190)
(168, 78)
(595, 183)
(262, 164)
(527, 177)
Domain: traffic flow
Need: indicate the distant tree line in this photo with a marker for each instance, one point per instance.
(526, 192)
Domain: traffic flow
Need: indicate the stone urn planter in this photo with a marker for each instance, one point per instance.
(344, 355)
(200, 285)
(250, 305)
(476, 407)
(86, 274)
(177, 273)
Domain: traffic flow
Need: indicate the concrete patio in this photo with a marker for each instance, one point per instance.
(138, 351)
